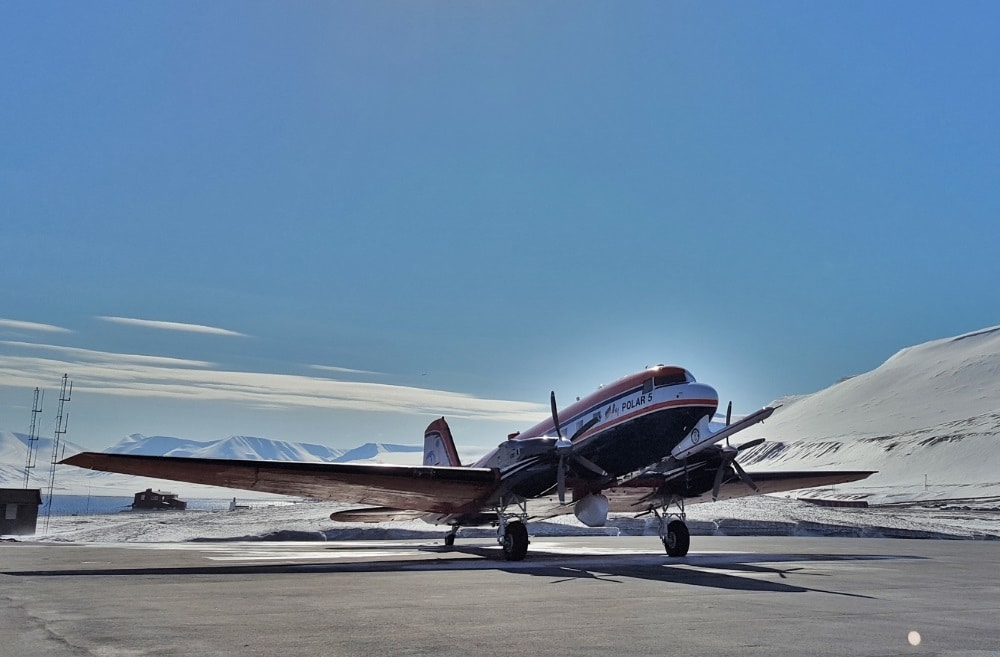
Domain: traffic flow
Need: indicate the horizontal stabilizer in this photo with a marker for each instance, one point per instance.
(375, 515)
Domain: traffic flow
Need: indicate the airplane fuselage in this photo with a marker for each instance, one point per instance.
(624, 427)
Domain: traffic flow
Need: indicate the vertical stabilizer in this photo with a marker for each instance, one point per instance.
(439, 447)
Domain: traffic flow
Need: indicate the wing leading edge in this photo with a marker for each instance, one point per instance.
(414, 487)
(633, 494)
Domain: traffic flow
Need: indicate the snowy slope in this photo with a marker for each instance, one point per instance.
(14, 453)
(932, 409)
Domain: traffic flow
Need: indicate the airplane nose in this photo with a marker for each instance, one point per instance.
(699, 392)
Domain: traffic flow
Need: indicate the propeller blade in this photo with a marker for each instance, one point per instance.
(588, 464)
(585, 427)
(555, 415)
(750, 445)
(729, 417)
(744, 476)
(561, 479)
(718, 480)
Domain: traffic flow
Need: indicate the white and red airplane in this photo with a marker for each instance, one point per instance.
(644, 444)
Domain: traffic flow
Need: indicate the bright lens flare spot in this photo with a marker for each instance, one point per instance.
(914, 638)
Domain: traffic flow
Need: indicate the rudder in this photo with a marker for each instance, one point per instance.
(439, 447)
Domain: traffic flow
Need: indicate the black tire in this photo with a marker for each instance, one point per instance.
(515, 542)
(449, 539)
(678, 539)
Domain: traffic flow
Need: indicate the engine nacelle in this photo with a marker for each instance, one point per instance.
(592, 510)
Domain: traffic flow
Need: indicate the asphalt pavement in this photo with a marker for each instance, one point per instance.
(590, 596)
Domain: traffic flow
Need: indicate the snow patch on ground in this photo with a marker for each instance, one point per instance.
(308, 521)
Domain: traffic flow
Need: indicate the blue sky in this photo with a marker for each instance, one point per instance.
(368, 214)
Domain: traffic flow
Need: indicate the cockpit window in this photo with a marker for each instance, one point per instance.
(675, 376)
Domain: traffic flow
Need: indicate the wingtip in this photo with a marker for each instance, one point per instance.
(77, 460)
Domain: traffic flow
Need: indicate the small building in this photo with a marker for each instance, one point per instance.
(19, 510)
(150, 500)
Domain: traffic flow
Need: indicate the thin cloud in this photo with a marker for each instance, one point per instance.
(345, 371)
(135, 376)
(172, 326)
(32, 326)
(93, 356)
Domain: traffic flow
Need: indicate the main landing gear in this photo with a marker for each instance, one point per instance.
(677, 540)
(514, 541)
(673, 530)
(512, 534)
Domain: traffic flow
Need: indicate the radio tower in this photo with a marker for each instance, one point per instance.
(29, 463)
(58, 448)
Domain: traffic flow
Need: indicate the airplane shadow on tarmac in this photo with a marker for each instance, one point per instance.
(728, 571)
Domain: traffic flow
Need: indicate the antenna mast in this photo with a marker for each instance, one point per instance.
(58, 447)
(29, 463)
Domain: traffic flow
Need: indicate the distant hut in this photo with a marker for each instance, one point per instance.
(19, 510)
(150, 500)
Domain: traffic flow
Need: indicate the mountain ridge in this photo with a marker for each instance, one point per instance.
(13, 454)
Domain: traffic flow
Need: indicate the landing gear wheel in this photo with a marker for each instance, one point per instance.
(449, 539)
(515, 541)
(678, 539)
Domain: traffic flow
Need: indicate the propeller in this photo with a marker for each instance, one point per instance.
(564, 449)
(728, 454)
(729, 417)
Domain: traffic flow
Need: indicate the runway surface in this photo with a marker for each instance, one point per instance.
(596, 596)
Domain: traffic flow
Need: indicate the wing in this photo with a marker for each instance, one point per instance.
(776, 482)
(637, 494)
(415, 487)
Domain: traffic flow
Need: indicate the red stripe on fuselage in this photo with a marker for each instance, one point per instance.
(672, 404)
(623, 386)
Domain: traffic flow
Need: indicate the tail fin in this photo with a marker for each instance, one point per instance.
(439, 447)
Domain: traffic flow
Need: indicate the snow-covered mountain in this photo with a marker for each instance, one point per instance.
(70, 480)
(260, 448)
(236, 447)
(928, 420)
(14, 454)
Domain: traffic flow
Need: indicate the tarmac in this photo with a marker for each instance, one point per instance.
(572, 596)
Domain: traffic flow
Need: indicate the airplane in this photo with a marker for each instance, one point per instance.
(645, 444)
